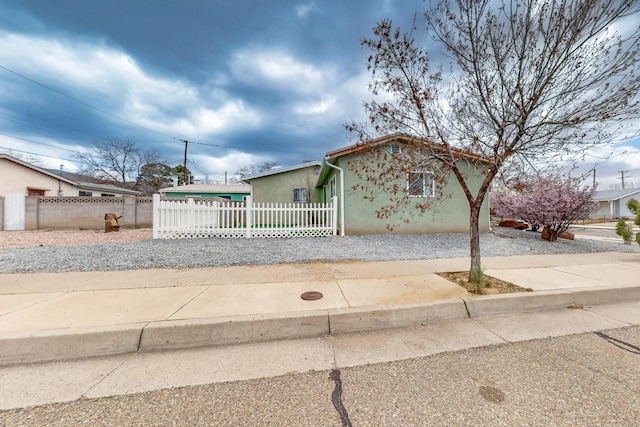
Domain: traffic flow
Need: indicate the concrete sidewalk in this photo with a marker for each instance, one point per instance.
(54, 316)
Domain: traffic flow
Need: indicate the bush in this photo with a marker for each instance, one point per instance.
(624, 230)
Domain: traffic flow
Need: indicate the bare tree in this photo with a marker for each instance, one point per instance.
(529, 80)
(115, 160)
(254, 169)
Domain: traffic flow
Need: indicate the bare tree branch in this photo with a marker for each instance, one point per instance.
(531, 80)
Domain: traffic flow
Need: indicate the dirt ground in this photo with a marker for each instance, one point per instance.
(31, 238)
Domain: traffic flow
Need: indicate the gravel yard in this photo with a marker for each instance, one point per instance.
(88, 250)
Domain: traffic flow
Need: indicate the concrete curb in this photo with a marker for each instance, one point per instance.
(479, 306)
(63, 344)
(346, 320)
(60, 344)
(176, 334)
(605, 295)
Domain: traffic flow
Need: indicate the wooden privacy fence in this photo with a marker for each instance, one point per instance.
(174, 219)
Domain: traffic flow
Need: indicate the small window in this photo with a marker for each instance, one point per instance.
(300, 195)
(420, 184)
(85, 193)
(396, 149)
(35, 192)
(107, 195)
(333, 187)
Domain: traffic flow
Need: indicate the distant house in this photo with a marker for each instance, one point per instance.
(288, 184)
(336, 177)
(613, 203)
(230, 192)
(17, 176)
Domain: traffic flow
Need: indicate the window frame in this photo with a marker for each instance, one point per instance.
(425, 178)
(300, 191)
(395, 148)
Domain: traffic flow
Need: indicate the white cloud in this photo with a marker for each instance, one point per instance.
(112, 81)
(281, 70)
(214, 168)
(325, 104)
(609, 162)
(303, 10)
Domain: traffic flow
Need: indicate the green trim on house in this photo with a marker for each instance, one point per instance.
(236, 197)
(231, 192)
(279, 185)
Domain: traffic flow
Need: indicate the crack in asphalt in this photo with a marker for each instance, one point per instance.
(336, 398)
(619, 343)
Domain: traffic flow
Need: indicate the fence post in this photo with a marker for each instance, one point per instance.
(156, 215)
(334, 215)
(249, 214)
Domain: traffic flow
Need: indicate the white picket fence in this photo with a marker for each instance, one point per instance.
(174, 219)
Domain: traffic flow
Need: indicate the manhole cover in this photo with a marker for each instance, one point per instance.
(311, 296)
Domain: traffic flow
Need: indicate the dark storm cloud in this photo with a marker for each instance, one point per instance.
(245, 81)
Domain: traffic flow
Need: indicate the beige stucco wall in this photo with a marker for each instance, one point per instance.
(15, 178)
(449, 212)
(278, 188)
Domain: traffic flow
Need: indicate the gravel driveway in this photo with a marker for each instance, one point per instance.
(185, 253)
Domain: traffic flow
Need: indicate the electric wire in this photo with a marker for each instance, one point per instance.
(81, 102)
(36, 154)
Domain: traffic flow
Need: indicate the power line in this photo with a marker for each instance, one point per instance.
(37, 154)
(36, 142)
(81, 102)
(23, 120)
(243, 148)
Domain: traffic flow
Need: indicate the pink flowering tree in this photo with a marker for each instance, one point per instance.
(551, 202)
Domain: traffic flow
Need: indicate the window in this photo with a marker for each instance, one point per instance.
(85, 193)
(420, 184)
(333, 187)
(107, 195)
(35, 192)
(300, 195)
(396, 149)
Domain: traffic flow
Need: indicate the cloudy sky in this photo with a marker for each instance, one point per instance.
(245, 82)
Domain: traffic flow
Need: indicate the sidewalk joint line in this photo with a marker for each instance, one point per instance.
(206, 288)
(466, 307)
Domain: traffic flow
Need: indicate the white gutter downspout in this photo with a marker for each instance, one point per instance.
(326, 161)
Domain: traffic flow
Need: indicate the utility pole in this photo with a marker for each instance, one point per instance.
(622, 177)
(186, 144)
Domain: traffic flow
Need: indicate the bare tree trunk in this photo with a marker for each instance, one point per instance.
(475, 272)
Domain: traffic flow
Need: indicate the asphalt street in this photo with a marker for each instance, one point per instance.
(590, 379)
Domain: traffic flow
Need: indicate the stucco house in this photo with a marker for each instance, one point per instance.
(297, 183)
(230, 192)
(337, 176)
(18, 176)
(613, 203)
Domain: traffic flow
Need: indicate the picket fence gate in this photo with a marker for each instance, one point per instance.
(191, 218)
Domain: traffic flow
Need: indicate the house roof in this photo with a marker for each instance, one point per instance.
(69, 178)
(278, 170)
(401, 138)
(610, 195)
(105, 187)
(200, 188)
(332, 156)
(37, 169)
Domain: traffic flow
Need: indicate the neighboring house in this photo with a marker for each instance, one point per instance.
(613, 203)
(289, 184)
(17, 176)
(231, 192)
(336, 177)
